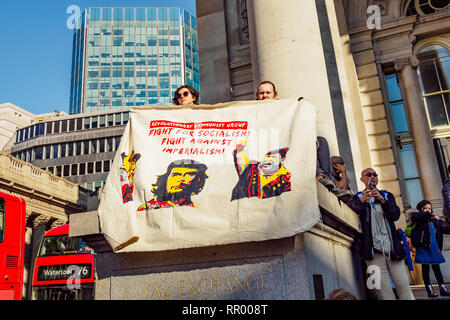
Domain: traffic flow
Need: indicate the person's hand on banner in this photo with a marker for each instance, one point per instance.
(241, 145)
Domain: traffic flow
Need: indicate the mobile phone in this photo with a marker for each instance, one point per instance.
(369, 185)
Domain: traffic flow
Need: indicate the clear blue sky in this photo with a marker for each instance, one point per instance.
(36, 49)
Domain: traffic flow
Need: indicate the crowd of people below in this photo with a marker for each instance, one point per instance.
(381, 243)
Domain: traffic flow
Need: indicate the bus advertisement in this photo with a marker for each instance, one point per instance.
(12, 246)
(64, 267)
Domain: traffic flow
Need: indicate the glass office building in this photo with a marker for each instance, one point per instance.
(132, 57)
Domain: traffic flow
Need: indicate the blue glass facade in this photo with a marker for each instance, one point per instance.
(132, 57)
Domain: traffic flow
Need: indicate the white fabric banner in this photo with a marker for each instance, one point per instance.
(210, 175)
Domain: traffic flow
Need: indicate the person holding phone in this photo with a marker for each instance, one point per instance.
(427, 238)
(381, 245)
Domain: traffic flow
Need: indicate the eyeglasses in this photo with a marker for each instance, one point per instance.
(370, 174)
(184, 94)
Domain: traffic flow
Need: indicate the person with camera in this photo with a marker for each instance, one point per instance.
(381, 246)
(427, 238)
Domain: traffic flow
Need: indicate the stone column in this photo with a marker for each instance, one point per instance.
(420, 129)
(286, 48)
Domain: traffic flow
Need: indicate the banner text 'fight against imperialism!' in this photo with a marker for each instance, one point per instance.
(197, 138)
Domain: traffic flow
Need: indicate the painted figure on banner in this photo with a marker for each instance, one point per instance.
(182, 180)
(127, 175)
(265, 179)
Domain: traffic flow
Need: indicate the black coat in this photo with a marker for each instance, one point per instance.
(391, 213)
(446, 197)
(420, 234)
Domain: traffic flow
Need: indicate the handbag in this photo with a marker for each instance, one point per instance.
(408, 229)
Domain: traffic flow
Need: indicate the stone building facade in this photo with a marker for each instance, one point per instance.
(378, 72)
(49, 202)
(79, 148)
(12, 118)
(334, 54)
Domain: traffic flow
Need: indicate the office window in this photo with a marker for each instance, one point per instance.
(79, 124)
(49, 128)
(98, 185)
(70, 149)
(98, 167)
(93, 146)
(78, 148)
(110, 120)
(95, 14)
(82, 169)
(106, 166)
(90, 167)
(40, 129)
(55, 151)
(47, 152)
(66, 170)
(126, 116)
(32, 132)
(85, 146)
(38, 153)
(64, 126)
(118, 120)
(94, 123)
(411, 174)
(56, 126)
(116, 143)
(102, 122)
(109, 144)
(74, 170)
(101, 145)
(87, 123)
(396, 103)
(58, 171)
(72, 125)
(434, 71)
(63, 150)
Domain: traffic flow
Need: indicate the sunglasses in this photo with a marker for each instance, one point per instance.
(370, 174)
(184, 94)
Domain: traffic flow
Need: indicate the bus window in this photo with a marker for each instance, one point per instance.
(58, 245)
(83, 248)
(2, 218)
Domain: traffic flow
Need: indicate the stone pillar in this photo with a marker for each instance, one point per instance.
(286, 48)
(420, 129)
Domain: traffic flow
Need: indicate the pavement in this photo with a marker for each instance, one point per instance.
(420, 293)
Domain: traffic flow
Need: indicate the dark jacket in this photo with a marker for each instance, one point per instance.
(446, 197)
(420, 234)
(391, 213)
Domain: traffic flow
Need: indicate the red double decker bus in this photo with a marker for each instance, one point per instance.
(12, 246)
(64, 267)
